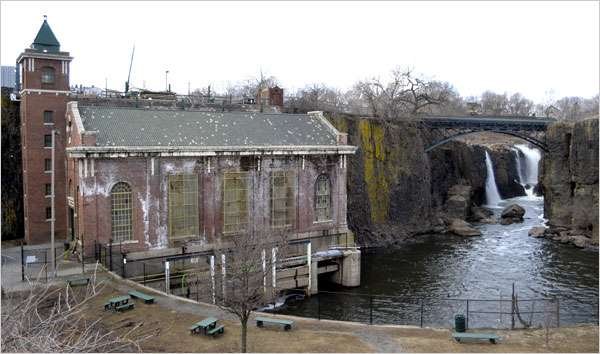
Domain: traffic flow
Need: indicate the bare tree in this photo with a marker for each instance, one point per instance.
(249, 275)
(518, 105)
(51, 319)
(405, 94)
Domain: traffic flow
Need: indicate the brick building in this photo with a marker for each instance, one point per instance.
(152, 180)
(44, 82)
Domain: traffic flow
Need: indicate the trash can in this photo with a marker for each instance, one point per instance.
(459, 323)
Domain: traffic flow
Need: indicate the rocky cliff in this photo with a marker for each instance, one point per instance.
(388, 180)
(395, 189)
(12, 179)
(570, 179)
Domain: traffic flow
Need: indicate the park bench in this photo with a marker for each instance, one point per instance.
(78, 281)
(287, 324)
(139, 295)
(458, 336)
(218, 329)
(205, 325)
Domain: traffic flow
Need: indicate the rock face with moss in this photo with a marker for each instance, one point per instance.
(388, 180)
(12, 180)
(570, 180)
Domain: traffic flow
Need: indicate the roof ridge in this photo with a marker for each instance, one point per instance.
(83, 105)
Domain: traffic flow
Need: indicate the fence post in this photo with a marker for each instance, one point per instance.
(123, 271)
(144, 267)
(421, 312)
(557, 314)
(467, 321)
(370, 309)
(512, 308)
(46, 266)
(110, 254)
(22, 262)
(82, 257)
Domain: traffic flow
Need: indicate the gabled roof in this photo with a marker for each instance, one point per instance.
(132, 127)
(45, 39)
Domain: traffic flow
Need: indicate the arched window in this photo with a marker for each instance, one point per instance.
(323, 198)
(47, 75)
(121, 212)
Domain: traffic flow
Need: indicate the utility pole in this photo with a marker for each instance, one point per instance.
(166, 80)
(52, 206)
(105, 87)
(188, 88)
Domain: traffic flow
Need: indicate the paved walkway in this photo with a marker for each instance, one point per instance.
(34, 268)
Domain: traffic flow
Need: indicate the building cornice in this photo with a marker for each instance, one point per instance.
(196, 151)
(37, 55)
(40, 91)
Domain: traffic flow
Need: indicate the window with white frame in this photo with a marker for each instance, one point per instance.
(121, 211)
(322, 199)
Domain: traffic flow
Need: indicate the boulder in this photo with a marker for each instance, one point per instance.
(462, 228)
(457, 207)
(513, 211)
(537, 231)
(511, 214)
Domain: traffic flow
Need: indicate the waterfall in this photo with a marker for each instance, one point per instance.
(492, 195)
(527, 167)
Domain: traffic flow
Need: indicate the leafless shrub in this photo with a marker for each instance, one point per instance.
(249, 270)
(50, 319)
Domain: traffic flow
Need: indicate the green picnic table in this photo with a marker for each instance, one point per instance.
(118, 303)
(208, 326)
(461, 336)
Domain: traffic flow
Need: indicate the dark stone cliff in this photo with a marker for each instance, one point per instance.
(12, 178)
(570, 178)
(396, 190)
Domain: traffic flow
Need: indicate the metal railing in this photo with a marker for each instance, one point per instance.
(479, 313)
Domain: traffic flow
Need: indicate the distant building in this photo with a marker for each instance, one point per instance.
(271, 96)
(9, 77)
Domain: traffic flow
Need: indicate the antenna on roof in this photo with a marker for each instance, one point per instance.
(129, 75)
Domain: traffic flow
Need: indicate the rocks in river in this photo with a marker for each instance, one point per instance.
(462, 228)
(512, 214)
(580, 241)
(537, 231)
(459, 200)
(482, 215)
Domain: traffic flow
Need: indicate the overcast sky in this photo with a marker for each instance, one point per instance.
(531, 48)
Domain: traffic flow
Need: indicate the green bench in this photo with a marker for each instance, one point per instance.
(78, 281)
(459, 336)
(218, 329)
(287, 324)
(139, 295)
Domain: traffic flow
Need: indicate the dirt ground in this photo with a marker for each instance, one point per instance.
(166, 323)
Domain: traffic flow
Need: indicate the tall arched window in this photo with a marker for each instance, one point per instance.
(121, 212)
(323, 198)
(48, 75)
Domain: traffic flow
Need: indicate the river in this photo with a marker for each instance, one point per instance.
(443, 270)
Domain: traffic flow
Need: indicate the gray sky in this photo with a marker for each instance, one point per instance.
(541, 49)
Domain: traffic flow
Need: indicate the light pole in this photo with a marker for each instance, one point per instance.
(52, 206)
(166, 80)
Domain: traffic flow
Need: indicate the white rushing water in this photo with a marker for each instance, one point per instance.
(492, 196)
(527, 168)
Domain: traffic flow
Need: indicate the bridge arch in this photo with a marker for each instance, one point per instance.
(528, 139)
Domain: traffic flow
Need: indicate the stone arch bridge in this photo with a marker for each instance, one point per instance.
(530, 129)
